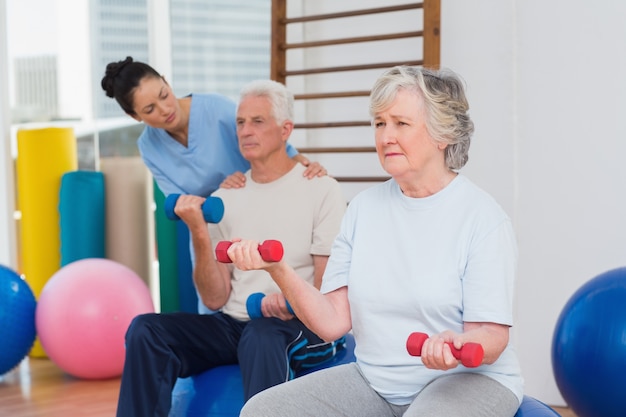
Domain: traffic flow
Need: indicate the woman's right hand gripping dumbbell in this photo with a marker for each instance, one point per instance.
(249, 254)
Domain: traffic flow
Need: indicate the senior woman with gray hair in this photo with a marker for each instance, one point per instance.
(427, 251)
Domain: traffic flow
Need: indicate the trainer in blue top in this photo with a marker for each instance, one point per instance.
(189, 144)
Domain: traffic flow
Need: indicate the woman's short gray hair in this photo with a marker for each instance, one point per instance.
(447, 118)
(279, 96)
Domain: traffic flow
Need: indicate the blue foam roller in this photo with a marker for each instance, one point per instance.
(82, 216)
(212, 208)
(253, 305)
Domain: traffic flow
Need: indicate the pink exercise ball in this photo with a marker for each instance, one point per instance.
(83, 313)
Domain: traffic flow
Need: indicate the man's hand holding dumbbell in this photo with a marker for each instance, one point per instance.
(176, 206)
(270, 305)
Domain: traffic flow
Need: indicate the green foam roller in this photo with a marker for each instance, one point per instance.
(167, 248)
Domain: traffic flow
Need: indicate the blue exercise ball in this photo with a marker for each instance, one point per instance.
(17, 319)
(589, 347)
(218, 392)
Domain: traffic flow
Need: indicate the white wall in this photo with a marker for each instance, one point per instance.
(571, 62)
(74, 66)
(547, 86)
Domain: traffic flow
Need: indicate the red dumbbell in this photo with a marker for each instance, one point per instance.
(270, 250)
(470, 355)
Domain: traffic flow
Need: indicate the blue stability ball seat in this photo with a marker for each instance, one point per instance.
(534, 408)
(218, 392)
(17, 319)
(589, 347)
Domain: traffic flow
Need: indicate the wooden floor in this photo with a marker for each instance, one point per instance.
(38, 388)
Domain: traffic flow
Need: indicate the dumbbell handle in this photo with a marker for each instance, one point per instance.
(270, 250)
(470, 355)
(253, 305)
(212, 208)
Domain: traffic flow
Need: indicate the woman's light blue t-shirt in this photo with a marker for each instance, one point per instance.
(423, 265)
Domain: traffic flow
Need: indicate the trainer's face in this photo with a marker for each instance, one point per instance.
(156, 105)
(259, 134)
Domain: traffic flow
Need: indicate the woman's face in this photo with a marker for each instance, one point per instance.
(404, 146)
(155, 104)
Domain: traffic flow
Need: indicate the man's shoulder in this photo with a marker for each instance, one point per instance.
(325, 182)
(328, 181)
(326, 190)
(226, 191)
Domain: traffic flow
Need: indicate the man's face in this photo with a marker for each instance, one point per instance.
(259, 134)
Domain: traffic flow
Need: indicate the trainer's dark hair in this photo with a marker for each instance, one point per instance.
(122, 77)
